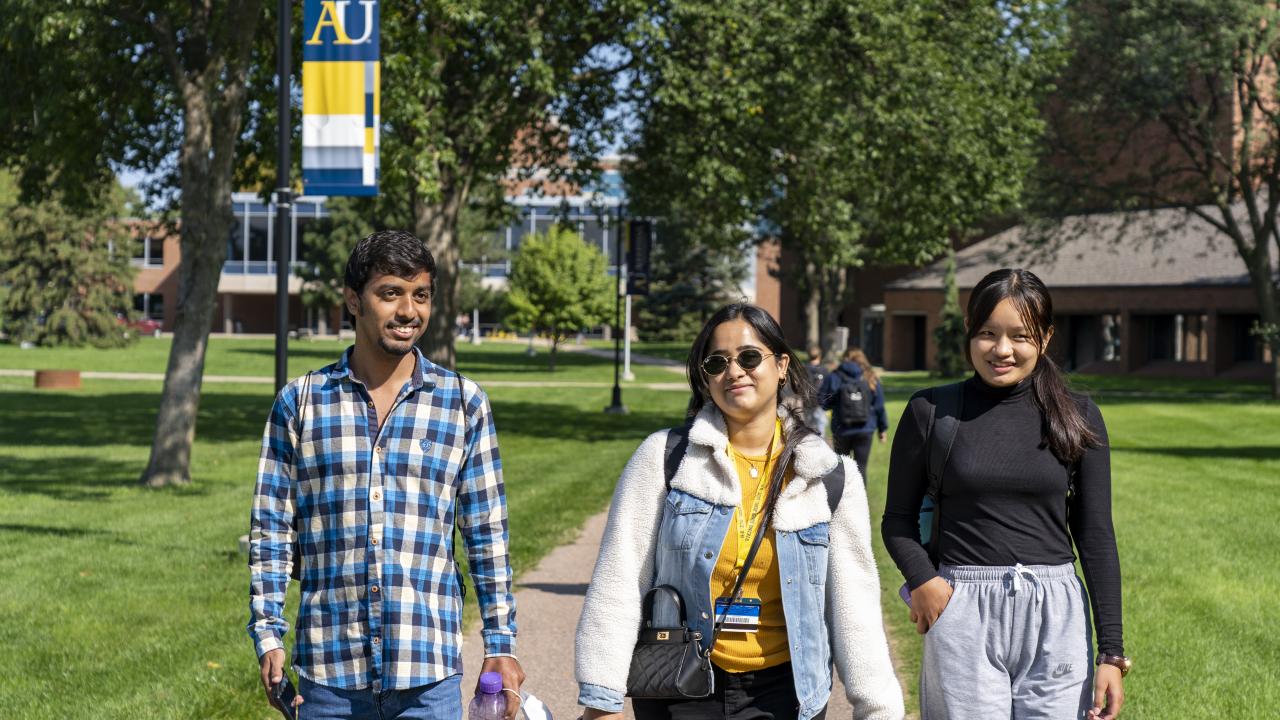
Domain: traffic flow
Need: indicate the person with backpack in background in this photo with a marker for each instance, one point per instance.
(855, 398)
(1018, 474)
(818, 372)
(744, 516)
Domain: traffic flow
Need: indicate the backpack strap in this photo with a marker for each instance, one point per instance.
(304, 402)
(944, 423)
(677, 444)
(834, 482)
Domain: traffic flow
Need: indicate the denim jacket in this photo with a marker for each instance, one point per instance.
(830, 586)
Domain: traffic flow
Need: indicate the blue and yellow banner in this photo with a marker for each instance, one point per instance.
(341, 73)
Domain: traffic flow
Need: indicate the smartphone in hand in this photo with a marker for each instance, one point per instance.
(905, 594)
(283, 694)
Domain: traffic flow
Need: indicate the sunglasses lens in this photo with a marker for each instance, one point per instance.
(750, 359)
(715, 364)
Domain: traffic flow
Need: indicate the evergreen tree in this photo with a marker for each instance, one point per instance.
(689, 281)
(559, 285)
(950, 333)
(67, 274)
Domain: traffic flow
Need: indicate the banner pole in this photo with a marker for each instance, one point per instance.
(283, 196)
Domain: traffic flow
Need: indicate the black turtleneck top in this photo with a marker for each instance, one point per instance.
(1004, 497)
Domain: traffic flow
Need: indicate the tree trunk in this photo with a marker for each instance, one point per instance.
(1275, 368)
(837, 290)
(1261, 276)
(436, 223)
(205, 162)
(812, 288)
(555, 343)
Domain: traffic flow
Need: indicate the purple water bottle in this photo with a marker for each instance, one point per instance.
(490, 703)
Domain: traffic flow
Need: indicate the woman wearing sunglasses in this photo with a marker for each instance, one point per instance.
(811, 595)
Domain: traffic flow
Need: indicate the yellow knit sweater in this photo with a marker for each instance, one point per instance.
(743, 651)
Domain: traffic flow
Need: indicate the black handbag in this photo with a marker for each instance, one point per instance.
(668, 662)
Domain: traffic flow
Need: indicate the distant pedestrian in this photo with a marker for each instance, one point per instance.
(367, 466)
(855, 397)
(1021, 471)
(818, 372)
(808, 598)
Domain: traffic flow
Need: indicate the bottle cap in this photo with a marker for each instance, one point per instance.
(490, 683)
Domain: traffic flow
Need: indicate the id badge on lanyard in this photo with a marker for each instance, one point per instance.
(741, 616)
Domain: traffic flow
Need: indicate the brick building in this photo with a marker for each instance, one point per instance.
(1159, 293)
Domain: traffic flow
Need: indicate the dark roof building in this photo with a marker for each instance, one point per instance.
(1157, 293)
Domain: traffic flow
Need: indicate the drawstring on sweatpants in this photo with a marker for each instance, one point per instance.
(1017, 574)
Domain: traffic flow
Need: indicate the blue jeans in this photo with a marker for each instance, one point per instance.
(438, 701)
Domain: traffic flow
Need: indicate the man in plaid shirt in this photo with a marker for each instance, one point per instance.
(366, 466)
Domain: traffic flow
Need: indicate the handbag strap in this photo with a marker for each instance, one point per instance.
(774, 487)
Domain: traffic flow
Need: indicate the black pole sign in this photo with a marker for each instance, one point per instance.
(284, 198)
(638, 257)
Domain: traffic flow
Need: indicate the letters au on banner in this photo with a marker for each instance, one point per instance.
(341, 73)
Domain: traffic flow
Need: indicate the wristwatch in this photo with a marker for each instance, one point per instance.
(1120, 661)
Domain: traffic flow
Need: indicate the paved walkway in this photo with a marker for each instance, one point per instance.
(548, 603)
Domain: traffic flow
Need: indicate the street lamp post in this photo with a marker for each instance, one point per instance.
(284, 198)
(616, 407)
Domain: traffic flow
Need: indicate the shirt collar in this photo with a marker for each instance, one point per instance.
(423, 379)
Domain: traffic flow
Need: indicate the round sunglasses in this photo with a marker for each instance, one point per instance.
(748, 359)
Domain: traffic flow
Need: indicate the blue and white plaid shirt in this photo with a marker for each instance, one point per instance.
(381, 606)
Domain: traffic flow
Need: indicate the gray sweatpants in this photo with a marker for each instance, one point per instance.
(1013, 642)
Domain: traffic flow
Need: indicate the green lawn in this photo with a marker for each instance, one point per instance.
(132, 602)
(1196, 497)
(256, 358)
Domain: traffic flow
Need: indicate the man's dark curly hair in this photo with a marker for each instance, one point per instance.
(389, 252)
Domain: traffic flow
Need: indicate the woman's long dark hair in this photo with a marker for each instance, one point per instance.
(801, 391)
(1064, 429)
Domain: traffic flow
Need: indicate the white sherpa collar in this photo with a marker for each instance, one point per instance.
(708, 473)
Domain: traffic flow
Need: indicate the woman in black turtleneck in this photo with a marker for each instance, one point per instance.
(1012, 634)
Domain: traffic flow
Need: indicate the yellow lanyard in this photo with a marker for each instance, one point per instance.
(747, 525)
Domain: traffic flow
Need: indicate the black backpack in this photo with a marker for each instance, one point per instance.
(678, 442)
(853, 408)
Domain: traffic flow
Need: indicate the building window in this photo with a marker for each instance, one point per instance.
(1181, 337)
(259, 237)
(148, 251)
(149, 305)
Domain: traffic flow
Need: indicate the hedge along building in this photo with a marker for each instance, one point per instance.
(1159, 293)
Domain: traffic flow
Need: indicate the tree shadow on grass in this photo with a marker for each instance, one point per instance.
(321, 356)
(76, 420)
(519, 362)
(76, 478)
(1242, 452)
(50, 530)
(555, 421)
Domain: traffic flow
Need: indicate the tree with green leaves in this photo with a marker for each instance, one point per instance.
(1176, 103)
(67, 276)
(475, 88)
(327, 246)
(851, 132)
(559, 285)
(950, 334)
(160, 86)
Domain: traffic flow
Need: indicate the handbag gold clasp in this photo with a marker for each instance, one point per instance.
(664, 635)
